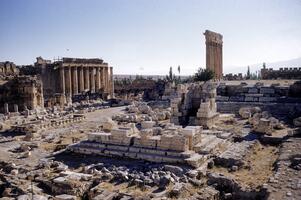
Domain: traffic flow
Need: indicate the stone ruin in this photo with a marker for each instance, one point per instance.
(8, 69)
(21, 93)
(195, 105)
(281, 73)
(173, 144)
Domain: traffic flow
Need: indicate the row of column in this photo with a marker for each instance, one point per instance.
(75, 80)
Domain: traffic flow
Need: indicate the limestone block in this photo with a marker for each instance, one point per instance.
(245, 112)
(254, 95)
(267, 99)
(266, 90)
(237, 98)
(131, 155)
(117, 147)
(172, 160)
(145, 142)
(253, 90)
(222, 98)
(99, 137)
(115, 153)
(297, 122)
(152, 151)
(251, 99)
(264, 126)
(120, 132)
(189, 131)
(147, 124)
(134, 149)
(149, 157)
(108, 124)
(195, 160)
(146, 133)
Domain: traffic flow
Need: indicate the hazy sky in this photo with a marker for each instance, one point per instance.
(147, 36)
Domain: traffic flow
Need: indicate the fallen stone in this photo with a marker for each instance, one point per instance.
(297, 122)
(65, 197)
(174, 169)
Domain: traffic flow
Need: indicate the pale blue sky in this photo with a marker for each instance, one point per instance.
(148, 36)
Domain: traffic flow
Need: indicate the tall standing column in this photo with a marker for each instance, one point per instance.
(106, 79)
(102, 78)
(111, 82)
(97, 79)
(81, 80)
(87, 79)
(74, 80)
(68, 81)
(92, 79)
(62, 80)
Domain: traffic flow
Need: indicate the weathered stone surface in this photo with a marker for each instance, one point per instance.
(297, 122)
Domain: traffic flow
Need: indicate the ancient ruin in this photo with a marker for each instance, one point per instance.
(70, 129)
(282, 73)
(65, 79)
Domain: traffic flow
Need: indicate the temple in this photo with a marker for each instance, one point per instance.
(67, 78)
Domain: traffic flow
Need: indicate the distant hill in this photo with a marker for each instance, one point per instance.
(256, 67)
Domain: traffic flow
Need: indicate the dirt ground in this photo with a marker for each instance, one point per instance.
(260, 166)
(63, 135)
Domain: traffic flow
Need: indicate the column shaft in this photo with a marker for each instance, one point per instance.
(87, 78)
(102, 78)
(81, 80)
(68, 81)
(97, 79)
(62, 80)
(74, 80)
(92, 79)
(106, 79)
(111, 82)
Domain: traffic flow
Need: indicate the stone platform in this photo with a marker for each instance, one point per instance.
(141, 153)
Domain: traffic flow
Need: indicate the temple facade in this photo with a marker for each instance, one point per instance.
(214, 53)
(70, 77)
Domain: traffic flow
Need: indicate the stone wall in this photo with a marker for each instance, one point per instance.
(23, 92)
(283, 110)
(259, 93)
(284, 101)
(282, 73)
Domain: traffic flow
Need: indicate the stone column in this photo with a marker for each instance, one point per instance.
(6, 110)
(62, 80)
(106, 79)
(97, 79)
(87, 78)
(111, 83)
(81, 80)
(16, 109)
(68, 81)
(102, 78)
(74, 80)
(92, 79)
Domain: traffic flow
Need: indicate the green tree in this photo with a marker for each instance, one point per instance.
(248, 76)
(203, 75)
(170, 77)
